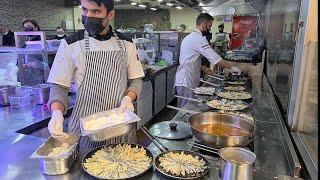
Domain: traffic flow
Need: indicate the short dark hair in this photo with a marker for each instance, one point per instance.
(221, 25)
(59, 27)
(203, 17)
(109, 4)
(33, 21)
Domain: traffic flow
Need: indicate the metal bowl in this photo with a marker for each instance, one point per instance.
(219, 118)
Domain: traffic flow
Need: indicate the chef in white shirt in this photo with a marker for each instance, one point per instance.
(193, 47)
(104, 66)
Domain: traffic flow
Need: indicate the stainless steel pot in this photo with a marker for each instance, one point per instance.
(219, 118)
(236, 163)
(5, 92)
(41, 93)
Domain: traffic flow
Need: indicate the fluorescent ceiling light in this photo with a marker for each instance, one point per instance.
(142, 5)
(179, 7)
(169, 4)
(133, 3)
(118, 0)
(160, 0)
(153, 9)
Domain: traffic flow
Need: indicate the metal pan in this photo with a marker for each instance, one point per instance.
(226, 119)
(212, 106)
(220, 94)
(234, 88)
(199, 118)
(165, 150)
(89, 155)
(190, 176)
(195, 91)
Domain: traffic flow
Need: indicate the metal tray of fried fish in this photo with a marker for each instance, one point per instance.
(190, 176)
(91, 153)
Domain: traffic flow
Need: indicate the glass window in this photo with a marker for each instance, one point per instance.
(307, 124)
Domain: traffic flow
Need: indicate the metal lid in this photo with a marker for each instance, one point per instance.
(171, 130)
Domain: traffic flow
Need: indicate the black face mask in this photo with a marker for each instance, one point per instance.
(207, 34)
(28, 29)
(220, 31)
(94, 26)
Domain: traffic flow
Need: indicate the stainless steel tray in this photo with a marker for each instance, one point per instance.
(59, 164)
(108, 132)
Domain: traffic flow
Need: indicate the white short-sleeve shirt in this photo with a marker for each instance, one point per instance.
(69, 62)
(193, 47)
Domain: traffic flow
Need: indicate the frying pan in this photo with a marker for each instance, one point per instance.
(164, 151)
(89, 155)
(200, 118)
(202, 93)
(190, 176)
(234, 98)
(207, 102)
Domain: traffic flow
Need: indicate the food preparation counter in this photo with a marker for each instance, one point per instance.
(272, 145)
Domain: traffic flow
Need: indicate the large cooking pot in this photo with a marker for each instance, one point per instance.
(221, 118)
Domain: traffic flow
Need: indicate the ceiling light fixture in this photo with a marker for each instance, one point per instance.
(133, 3)
(179, 7)
(153, 9)
(169, 4)
(160, 0)
(142, 5)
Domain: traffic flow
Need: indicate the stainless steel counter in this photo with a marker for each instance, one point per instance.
(275, 155)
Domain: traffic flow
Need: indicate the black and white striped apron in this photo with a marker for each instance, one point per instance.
(103, 87)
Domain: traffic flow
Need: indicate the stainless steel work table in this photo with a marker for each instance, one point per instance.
(272, 145)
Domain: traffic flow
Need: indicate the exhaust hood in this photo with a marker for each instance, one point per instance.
(232, 7)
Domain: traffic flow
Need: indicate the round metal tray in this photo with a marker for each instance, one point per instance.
(89, 155)
(234, 98)
(171, 176)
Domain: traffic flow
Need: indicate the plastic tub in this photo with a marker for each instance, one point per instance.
(18, 101)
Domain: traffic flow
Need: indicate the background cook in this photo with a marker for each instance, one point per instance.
(192, 47)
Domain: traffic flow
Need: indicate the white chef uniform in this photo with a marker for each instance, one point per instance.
(70, 60)
(101, 69)
(192, 47)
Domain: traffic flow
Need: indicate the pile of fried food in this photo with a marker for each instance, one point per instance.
(204, 90)
(236, 82)
(230, 105)
(235, 88)
(181, 164)
(121, 161)
(234, 95)
(239, 114)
